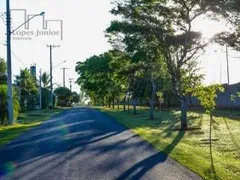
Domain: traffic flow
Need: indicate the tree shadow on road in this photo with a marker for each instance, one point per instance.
(141, 168)
(30, 155)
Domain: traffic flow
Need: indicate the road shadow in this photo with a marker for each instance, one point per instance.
(28, 156)
(141, 168)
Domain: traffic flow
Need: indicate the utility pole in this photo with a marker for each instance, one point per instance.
(64, 76)
(9, 64)
(40, 89)
(228, 78)
(70, 82)
(51, 74)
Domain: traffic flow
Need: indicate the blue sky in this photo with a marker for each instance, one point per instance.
(84, 23)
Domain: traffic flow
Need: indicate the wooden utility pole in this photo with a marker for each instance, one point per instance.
(51, 74)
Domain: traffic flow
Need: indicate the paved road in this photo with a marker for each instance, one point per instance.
(85, 144)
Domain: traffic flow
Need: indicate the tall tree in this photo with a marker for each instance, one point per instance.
(96, 78)
(170, 22)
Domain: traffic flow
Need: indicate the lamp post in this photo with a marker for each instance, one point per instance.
(51, 74)
(64, 76)
(40, 89)
(9, 59)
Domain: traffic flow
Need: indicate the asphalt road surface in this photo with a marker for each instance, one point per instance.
(85, 144)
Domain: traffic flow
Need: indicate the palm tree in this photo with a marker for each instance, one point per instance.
(46, 80)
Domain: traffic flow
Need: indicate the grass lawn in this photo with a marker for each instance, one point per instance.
(26, 121)
(191, 148)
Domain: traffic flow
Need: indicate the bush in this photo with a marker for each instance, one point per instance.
(3, 103)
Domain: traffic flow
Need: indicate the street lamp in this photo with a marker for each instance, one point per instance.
(59, 64)
(41, 14)
(9, 60)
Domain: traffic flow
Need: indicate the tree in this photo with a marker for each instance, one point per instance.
(144, 55)
(207, 96)
(82, 98)
(75, 97)
(3, 103)
(63, 96)
(27, 86)
(161, 99)
(3, 71)
(97, 79)
(170, 24)
(45, 98)
(230, 11)
(46, 80)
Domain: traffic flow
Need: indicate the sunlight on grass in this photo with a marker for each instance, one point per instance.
(26, 121)
(191, 148)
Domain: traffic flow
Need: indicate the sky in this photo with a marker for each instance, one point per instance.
(84, 23)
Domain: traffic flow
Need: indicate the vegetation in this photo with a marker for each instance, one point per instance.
(3, 71)
(191, 148)
(26, 99)
(25, 122)
(64, 96)
(154, 60)
(3, 103)
(3, 94)
(46, 80)
(152, 53)
(27, 86)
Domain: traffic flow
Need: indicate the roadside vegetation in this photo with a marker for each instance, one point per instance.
(154, 63)
(26, 102)
(191, 148)
(25, 122)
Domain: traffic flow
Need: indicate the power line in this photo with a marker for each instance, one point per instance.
(2, 17)
(18, 59)
(15, 56)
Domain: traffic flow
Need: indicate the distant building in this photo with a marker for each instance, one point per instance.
(33, 70)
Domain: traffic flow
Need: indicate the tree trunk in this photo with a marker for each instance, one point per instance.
(2, 119)
(134, 106)
(113, 102)
(118, 104)
(152, 100)
(160, 105)
(184, 107)
(124, 103)
(210, 128)
(128, 105)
